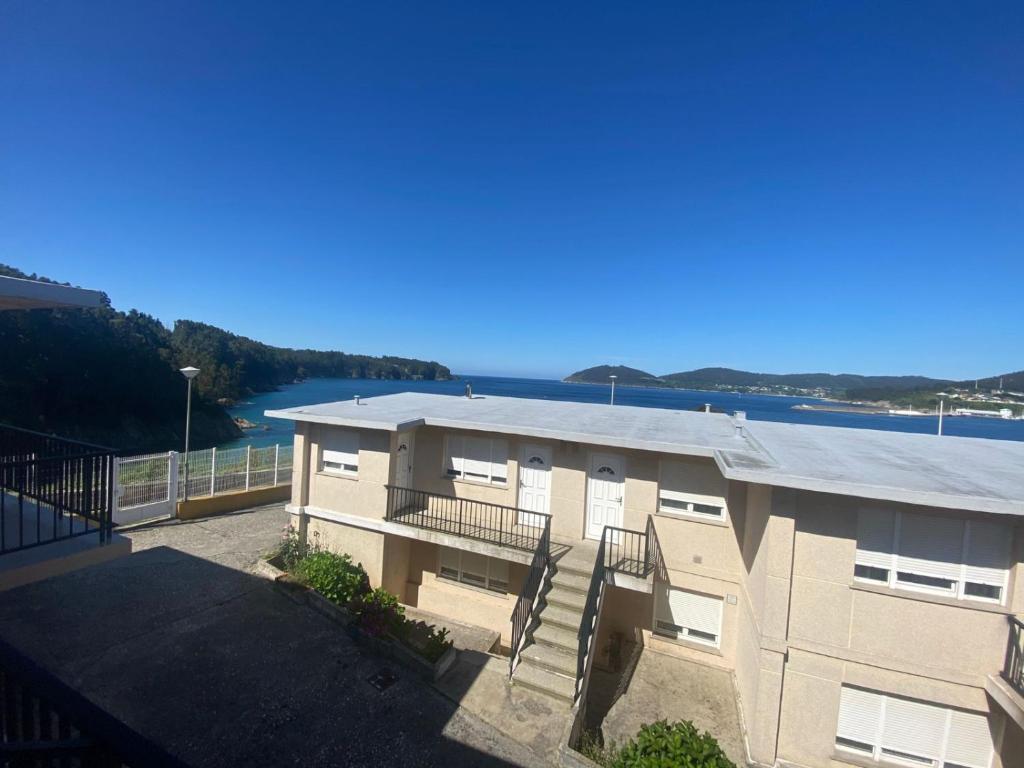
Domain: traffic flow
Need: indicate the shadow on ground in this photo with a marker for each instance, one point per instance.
(219, 668)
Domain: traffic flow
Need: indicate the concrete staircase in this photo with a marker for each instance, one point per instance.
(548, 661)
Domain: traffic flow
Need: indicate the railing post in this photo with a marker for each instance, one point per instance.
(213, 472)
(277, 460)
(248, 463)
(172, 481)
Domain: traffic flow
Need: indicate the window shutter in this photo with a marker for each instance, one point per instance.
(694, 611)
(454, 456)
(450, 562)
(859, 715)
(913, 727)
(499, 460)
(474, 569)
(498, 574)
(341, 447)
(477, 457)
(874, 538)
(970, 741)
(931, 546)
(988, 552)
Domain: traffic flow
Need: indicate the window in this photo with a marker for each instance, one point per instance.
(474, 569)
(482, 459)
(691, 489)
(339, 452)
(908, 732)
(963, 559)
(688, 615)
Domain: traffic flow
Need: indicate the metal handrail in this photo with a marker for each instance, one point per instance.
(479, 520)
(526, 604)
(591, 611)
(1013, 668)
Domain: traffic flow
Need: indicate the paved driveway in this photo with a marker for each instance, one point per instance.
(186, 645)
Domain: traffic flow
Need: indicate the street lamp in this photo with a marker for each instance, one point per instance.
(613, 377)
(189, 373)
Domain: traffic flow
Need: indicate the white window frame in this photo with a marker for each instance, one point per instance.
(883, 755)
(454, 466)
(492, 581)
(684, 633)
(691, 500)
(956, 591)
(343, 468)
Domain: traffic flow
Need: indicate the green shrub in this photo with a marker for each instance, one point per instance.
(679, 745)
(290, 550)
(333, 576)
(378, 612)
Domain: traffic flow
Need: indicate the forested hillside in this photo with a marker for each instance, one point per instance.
(112, 377)
(234, 366)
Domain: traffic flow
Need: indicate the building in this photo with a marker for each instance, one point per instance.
(860, 586)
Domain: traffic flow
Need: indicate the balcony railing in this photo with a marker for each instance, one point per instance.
(1013, 669)
(52, 489)
(479, 520)
(43, 722)
(634, 553)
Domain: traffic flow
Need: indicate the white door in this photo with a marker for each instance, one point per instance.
(403, 459)
(534, 483)
(605, 490)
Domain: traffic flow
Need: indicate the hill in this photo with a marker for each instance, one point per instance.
(632, 376)
(111, 377)
(734, 380)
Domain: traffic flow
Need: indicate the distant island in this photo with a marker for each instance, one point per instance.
(111, 377)
(988, 394)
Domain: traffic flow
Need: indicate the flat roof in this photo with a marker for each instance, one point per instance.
(18, 293)
(950, 472)
(652, 429)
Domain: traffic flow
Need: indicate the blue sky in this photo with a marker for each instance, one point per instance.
(534, 188)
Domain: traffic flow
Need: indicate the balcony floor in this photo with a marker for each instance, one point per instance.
(27, 523)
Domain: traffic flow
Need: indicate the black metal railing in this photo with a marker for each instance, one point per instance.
(43, 722)
(635, 553)
(480, 520)
(526, 603)
(52, 489)
(591, 612)
(1013, 669)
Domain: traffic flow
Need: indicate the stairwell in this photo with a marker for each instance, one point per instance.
(548, 660)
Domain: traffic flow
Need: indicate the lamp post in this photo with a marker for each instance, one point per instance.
(189, 373)
(613, 377)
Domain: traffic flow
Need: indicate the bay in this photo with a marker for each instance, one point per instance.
(757, 407)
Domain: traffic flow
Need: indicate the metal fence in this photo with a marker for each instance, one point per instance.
(214, 471)
(150, 485)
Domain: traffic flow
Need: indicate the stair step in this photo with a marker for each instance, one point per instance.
(551, 659)
(539, 679)
(557, 637)
(566, 598)
(562, 616)
(576, 567)
(570, 580)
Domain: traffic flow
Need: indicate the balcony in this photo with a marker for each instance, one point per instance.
(56, 503)
(52, 489)
(491, 524)
(1013, 669)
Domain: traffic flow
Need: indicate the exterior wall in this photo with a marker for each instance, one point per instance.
(363, 495)
(426, 590)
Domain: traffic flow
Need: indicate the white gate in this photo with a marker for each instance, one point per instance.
(147, 487)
